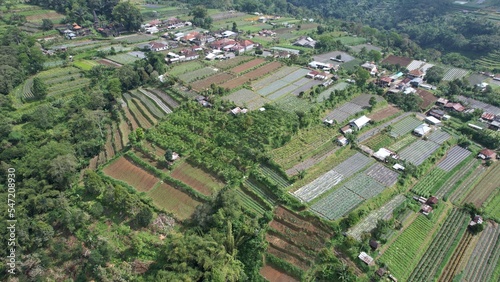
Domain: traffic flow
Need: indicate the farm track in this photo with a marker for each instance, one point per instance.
(109, 150)
(466, 185)
(450, 183)
(477, 265)
(452, 267)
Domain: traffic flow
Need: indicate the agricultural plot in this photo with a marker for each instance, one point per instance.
(325, 95)
(439, 137)
(475, 104)
(274, 77)
(67, 87)
(157, 101)
(451, 230)
(173, 201)
(135, 38)
(382, 174)
(485, 256)
(216, 79)
(300, 73)
(184, 68)
(364, 186)
(333, 177)
(27, 89)
(455, 73)
(460, 175)
(274, 176)
(379, 141)
(403, 142)
(249, 203)
(343, 112)
(458, 195)
(283, 91)
(455, 264)
(337, 204)
(85, 64)
(370, 222)
(246, 98)
(261, 190)
(197, 178)
(247, 66)
(363, 100)
(418, 152)
(126, 171)
(404, 253)
(308, 85)
(231, 63)
(485, 186)
(293, 104)
(272, 274)
(197, 74)
(405, 126)
(122, 58)
(454, 157)
(165, 97)
(428, 185)
(252, 75)
(142, 121)
(150, 105)
(492, 208)
(272, 88)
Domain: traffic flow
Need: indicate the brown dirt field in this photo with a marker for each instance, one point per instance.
(274, 275)
(93, 163)
(49, 15)
(289, 258)
(107, 62)
(174, 201)
(285, 245)
(110, 151)
(485, 186)
(395, 60)
(126, 171)
(248, 65)
(297, 236)
(102, 158)
(384, 113)
(206, 82)
(452, 268)
(254, 74)
(427, 97)
(130, 118)
(152, 162)
(303, 223)
(196, 178)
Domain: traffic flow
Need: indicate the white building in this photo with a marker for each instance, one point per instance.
(360, 122)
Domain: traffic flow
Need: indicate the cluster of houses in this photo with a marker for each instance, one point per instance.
(427, 205)
(354, 124)
(156, 25)
(492, 120)
(74, 30)
(305, 41)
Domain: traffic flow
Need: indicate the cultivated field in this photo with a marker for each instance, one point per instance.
(370, 222)
(485, 186)
(274, 275)
(405, 126)
(197, 178)
(485, 256)
(159, 103)
(333, 177)
(169, 101)
(382, 174)
(453, 157)
(247, 98)
(439, 137)
(452, 230)
(456, 262)
(337, 204)
(247, 66)
(455, 73)
(252, 75)
(174, 201)
(126, 171)
(197, 74)
(405, 252)
(379, 141)
(122, 58)
(181, 68)
(492, 208)
(418, 152)
(249, 203)
(384, 113)
(458, 176)
(475, 104)
(216, 79)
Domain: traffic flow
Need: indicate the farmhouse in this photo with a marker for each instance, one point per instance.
(416, 74)
(487, 154)
(457, 107)
(371, 67)
(328, 121)
(305, 41)
(366, 258)
(238, 110)
(495, 125)
(381, 272)
(346, 129)
(442, 101)
(432, 120)
(436, 113)
(426, 209)
(156, 46)
(382, 154)
(360, 122)
(342, 141)
(432, 201)
(373, 244)
(422, 130)
(385, 81)
(476, 220)
(488, 116)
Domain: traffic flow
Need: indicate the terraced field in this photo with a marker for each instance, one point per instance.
(405, 126)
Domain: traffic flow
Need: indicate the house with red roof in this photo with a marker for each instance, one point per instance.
(457, 107)
(487, 154)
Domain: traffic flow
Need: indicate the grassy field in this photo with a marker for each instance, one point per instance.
(85, 64)
(173, 200)
(379, 141)
(197, 178)
(492, 206)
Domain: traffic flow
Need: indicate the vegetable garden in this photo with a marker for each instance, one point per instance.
(453, 158)
(126, 171)
(449, 233)
(418, 152)
(405, 126)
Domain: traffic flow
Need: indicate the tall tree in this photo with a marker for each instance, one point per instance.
(128, 15)
(39, 88)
